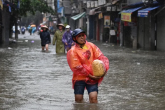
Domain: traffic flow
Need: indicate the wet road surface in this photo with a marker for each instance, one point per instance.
(35, 80)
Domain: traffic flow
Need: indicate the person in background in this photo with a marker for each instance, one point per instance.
(30, 30)
(67, 38)
(45, 38)
(113, 38)
(80, 58)
(58, 39)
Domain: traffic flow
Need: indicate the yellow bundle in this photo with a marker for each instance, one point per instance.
(98, 68)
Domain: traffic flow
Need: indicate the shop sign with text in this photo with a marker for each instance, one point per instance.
(88, 4)
(126, 17)
(101, 2)
(1, 4)
(106, 21)
(100, 15)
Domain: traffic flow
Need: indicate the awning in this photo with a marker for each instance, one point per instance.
(144, 12)
(126, 14)
(115, 1)
(78, 16)
(131, 10)
(93, 11)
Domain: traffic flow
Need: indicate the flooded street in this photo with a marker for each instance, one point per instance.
(35, 80)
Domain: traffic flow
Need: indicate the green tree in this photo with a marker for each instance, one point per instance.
(29, 6)
(36, 19)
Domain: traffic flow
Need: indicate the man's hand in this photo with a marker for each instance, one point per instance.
(104, 74)
(94, 77)
(97, 77)
(66, 43)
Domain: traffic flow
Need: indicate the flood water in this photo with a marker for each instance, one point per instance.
(35, 80)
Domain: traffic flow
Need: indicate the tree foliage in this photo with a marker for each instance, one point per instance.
(31, 19)
(28, 6)
(32, 6)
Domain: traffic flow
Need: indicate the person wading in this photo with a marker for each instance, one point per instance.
(67, 38)
(80, 58)
(45, 38)
(58, 39)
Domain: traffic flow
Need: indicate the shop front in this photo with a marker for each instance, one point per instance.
(130, 22)
(147, 28)
(96, 24)
(78, 20)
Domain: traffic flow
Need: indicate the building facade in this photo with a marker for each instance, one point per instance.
(102, 16)
(6, 9)
(144, 28)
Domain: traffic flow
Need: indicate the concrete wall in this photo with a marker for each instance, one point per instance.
(6, 24)
(161, 31)
(1, 27)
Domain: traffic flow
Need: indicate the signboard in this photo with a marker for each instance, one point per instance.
(96, 3)
(54, 19)
(126, 17)
(109, 8)
(100, 15)
(92, 4)
(101, 2)
(88, 4)
(106, 21)
(1, 4)
(142, 14)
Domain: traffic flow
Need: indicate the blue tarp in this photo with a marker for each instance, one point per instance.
(131, 10)
(135, 4)
(144, 12)
(59, 8)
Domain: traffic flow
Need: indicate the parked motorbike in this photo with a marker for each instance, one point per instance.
(23, 30)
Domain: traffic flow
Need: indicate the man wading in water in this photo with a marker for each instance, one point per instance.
(80, 58)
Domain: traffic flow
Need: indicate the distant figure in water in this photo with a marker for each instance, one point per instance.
(57, 39)
(45, 38)
(67, 38)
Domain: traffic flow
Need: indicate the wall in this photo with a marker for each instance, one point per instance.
(1, 26)
(6, 24)
(143, 38)
(146, 32)
(161, 31)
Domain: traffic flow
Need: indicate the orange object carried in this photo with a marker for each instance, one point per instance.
(98, 68)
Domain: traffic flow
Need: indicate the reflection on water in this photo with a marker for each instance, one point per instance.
(35, 80)
(87, 106)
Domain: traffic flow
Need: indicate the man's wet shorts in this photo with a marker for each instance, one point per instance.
(80, 86)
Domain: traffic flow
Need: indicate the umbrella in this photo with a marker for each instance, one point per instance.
(33, 25)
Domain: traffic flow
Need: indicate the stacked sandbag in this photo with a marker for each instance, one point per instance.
(98, 68)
